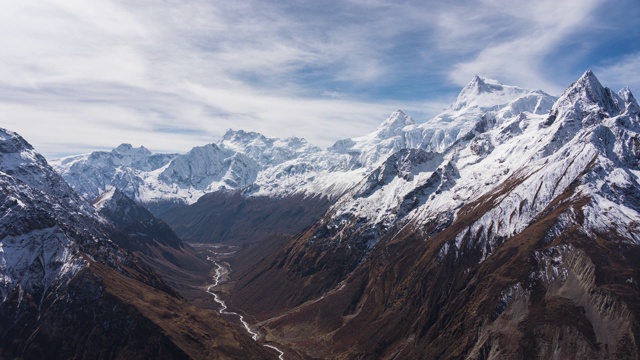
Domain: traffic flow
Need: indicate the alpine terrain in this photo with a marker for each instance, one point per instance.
(72, 285)
(512, 232)
(506, 227)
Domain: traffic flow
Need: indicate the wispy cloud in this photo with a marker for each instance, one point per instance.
(175, 74)
(512, 40)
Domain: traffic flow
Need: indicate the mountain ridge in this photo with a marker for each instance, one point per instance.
(260, 164)
(535, 231)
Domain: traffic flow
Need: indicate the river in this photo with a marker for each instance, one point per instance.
(220, 272)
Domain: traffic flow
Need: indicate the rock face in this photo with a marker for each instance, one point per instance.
(41, 232)
(69, 291)
(515, 235)
(137, 221)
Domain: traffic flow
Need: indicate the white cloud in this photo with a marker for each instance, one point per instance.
(511, 39)
(194, 115)
(83, 75)
(173, 74)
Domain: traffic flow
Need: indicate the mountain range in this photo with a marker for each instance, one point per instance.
(505, 227)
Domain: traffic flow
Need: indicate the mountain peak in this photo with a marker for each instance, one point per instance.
(590, 81)
(397, 120)
(629, 100)
(483, 92)
(11, 142)
(20, 160)
(241, 135)
(478, 81)
(128, 149)
(112, 194)
(120, 208)
(587, 92)
(481, 84)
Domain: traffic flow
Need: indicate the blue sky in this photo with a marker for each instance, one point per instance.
(78, 76)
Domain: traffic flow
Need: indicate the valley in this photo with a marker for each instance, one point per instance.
(218, 254)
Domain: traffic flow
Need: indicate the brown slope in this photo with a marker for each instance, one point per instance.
(231, 217)
(200, 333)
(107, 315)
(135, 229)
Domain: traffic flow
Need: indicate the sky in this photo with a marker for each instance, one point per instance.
(78, 76)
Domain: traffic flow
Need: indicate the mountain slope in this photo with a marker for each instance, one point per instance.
(152, 240)
(68, 291)
(91, 174)
(518, 238)
(232, 217)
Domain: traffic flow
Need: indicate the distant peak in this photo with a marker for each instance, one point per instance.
(397, 119)
(483, 84)
(396, 122)
(477, 80)
(483, 92)
(231, 134)
(124, 147)
(626, 95)
(127, 149)
(629, 100)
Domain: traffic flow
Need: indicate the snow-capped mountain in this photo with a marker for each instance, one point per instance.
(284, 167)
(67, 290)
(44, 223)
(510, 231)
(233, 163)
(589, 136)
(483, 103)
(428, 180)
(122, 167)
(263, 150)
(542, 152)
